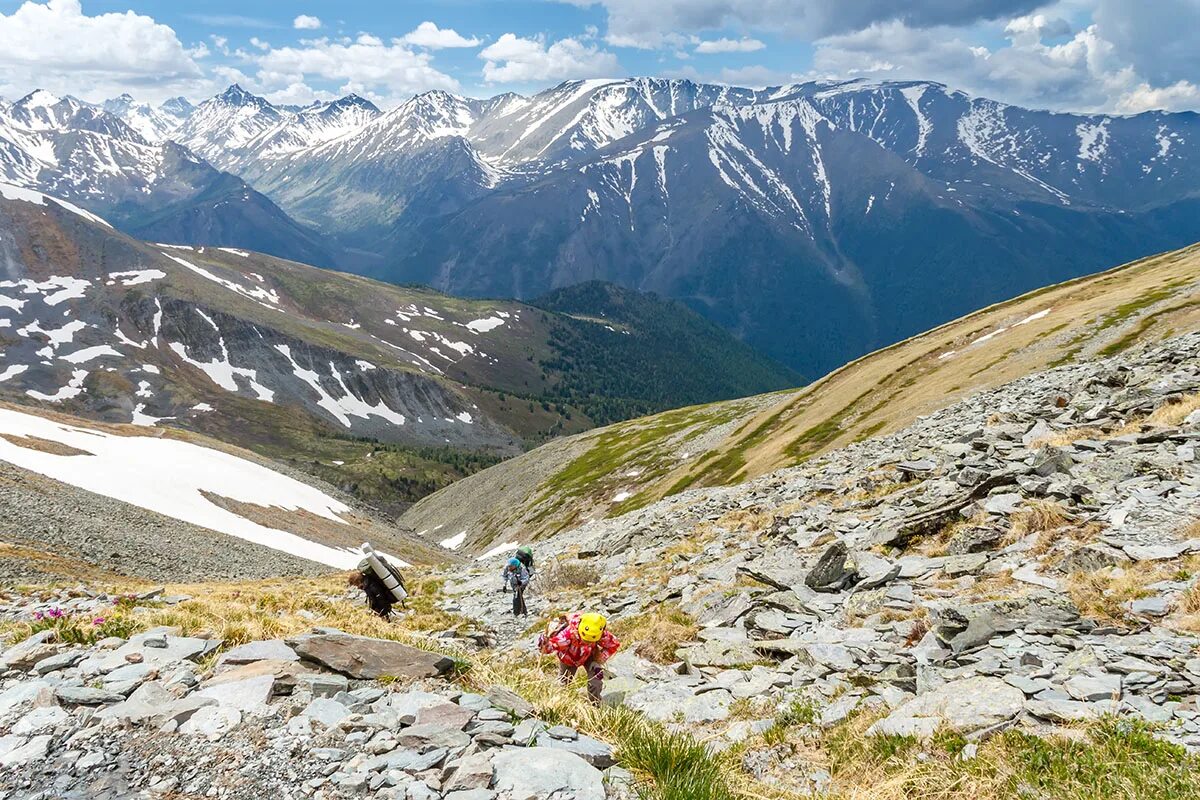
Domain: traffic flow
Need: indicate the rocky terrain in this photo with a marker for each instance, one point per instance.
(1018, 564)
(1019, 560)
(160, 714)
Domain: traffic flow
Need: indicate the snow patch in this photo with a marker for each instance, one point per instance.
(11, 192)
(1033, 317)
(1093, 140)
(499, 549)
(484, 325)
(74, 388)
(91, 353)
(454, 542)
(135, 277)
(167, 476)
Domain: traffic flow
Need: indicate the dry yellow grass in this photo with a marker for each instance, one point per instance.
(1102, 595)
(1175, 410)
(272, 609)
(746, 520)
(658, 633)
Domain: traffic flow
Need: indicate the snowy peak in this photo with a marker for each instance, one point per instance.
(151, 124)
(350, 104)
(42, 110)
(177, 107)
(221, 127)
(236, 96)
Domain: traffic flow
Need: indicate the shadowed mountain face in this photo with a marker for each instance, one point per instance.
(816, 221)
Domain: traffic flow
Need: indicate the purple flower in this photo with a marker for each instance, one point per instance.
(55, 613)
(98, 621)
(38, 616)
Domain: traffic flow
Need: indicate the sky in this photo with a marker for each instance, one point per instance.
(1122, 56)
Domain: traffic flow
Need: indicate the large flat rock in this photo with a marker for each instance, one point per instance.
(541, 773)
(366, 658)
(963, 706)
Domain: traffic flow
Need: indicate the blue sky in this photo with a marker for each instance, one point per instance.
(1110, 55)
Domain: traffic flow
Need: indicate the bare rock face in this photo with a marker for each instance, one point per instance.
(366, 658)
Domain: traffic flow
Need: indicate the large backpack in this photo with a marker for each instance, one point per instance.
(525, 556)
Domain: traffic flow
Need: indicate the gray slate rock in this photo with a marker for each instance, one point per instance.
(541, 773)
(366, 658)
(831, 571)
(964, 706)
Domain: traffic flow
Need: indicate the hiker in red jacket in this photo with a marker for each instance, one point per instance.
(583, 640)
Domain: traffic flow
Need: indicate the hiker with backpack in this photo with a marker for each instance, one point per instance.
(516, 578)
(380, 581)
(581, 640)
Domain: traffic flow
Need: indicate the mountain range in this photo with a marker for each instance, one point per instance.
(816, 221)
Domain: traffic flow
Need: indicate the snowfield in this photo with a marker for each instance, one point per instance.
(168, 476)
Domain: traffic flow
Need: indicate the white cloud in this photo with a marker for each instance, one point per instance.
(1084, 73)
(1032, 28)
(259, 43)
(744, 45)
(367, 64)
(55, 46)
(304, 22)
(1179, 96)
(429, 35)
(513, 59)
(637, 23)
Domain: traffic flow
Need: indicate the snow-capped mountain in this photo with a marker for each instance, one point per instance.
(817, 220)
(823, 220)
(152, 124)
(221, 127)
(159, 189)
(236, 129)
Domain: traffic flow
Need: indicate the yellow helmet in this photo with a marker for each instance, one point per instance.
(591, 627)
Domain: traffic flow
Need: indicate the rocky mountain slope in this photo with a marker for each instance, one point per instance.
(1020, 560)
(996, 600)
(386, 391)
(623, 467)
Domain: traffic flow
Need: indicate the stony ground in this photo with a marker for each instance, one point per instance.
(1022, 560)
(321, 715)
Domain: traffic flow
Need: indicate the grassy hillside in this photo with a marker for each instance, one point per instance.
(622, 467)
